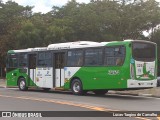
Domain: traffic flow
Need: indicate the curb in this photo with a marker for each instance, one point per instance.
(134, 94)
(139, 94)
(3, 87)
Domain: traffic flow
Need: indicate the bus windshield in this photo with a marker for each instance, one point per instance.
(143, 51)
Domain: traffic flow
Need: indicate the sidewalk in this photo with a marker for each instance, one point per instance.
(2, 83)
(153, 92)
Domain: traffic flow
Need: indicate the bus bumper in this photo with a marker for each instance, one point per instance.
(141, 84)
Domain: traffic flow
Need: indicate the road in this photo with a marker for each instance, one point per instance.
(11, 99)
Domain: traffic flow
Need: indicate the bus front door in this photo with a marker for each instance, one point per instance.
(31, 69)
(59, 69)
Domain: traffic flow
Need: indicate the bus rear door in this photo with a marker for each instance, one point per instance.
(59, 69)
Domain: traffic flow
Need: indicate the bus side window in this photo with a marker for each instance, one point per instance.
(93, 57)
(44, 59)
(75, 58)
(114, 56)
(23, 60)
(41, 59)
(119, 61)
(80, 61)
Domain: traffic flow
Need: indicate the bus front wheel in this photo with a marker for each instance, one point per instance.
(22, 84)
(76, 87)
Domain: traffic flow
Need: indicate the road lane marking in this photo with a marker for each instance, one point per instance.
(61, 102)
(96, 108)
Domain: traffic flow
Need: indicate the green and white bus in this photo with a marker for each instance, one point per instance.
(84, 66)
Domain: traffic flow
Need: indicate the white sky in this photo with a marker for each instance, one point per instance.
(44, 6)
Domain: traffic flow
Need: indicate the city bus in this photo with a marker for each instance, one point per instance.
(84, 66)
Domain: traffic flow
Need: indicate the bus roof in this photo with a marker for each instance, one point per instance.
(78, 44)
(28, 50)
(70, 45)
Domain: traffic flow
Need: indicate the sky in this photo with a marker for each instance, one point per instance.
(44, 6)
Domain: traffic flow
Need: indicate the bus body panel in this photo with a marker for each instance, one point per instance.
(14, 75)
(44, 77)
(101, 78)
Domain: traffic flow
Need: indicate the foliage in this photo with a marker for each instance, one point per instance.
(99, 20)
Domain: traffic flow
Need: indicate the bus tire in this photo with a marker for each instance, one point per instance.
(100, 92)
(22, 84)
(76, 87)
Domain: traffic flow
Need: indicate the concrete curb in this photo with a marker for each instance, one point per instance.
(134, 94)
(3, 87)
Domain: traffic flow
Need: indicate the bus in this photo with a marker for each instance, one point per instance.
(84, 66)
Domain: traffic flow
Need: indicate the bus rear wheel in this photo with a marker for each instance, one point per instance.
(76, 87)
(22, 84)
(100, 92)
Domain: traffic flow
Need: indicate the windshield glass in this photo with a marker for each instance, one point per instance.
(12, 61)
(144, 51)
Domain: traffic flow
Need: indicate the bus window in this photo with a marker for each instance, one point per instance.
(143, 51)
(93, 57)
(114, 56)
(13, 61)
(48, 59)
(75, 58)
(44, 59)
(23, 60)
(118, 61)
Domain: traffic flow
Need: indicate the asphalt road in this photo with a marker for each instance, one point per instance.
(11, 99)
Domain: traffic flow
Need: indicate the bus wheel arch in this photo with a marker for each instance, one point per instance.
(22, 84)
(76, 86)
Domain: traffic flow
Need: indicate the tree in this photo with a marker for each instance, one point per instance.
(29, 35)
(99, 20)
(11, 16)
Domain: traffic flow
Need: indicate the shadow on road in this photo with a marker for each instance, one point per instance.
(89, 94)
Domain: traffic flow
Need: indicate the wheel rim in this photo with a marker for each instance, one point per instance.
(22, 84)
(76, 87)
